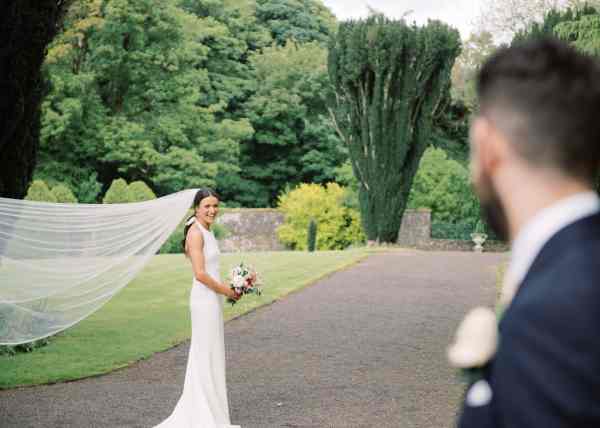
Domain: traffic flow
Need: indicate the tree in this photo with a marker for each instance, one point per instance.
(300, 20)
(26, 29)
(131, 96)
(475, 50)
(504, 18)
(390, 79)
(507, 18)
(583, 32)
(451, 132)
(294, 140)
(552, 20)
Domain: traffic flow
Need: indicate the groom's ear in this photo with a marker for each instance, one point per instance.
(489, 147)
(479, 134)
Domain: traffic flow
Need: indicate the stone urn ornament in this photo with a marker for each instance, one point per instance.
(479, 237)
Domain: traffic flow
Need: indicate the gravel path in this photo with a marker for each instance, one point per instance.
(362, 348)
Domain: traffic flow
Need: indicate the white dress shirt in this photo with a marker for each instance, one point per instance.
(538, 231)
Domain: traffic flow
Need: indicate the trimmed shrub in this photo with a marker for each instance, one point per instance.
(139, 192)
(117, 193)
(339, 225)
(63, 194)
(40, 192)
(312, 235)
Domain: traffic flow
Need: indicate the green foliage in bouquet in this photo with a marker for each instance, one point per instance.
(312, 235)
(339, 226)
(39, 191)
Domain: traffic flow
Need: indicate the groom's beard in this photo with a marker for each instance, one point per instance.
(493, 211)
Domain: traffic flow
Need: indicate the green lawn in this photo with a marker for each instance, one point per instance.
(151, 314)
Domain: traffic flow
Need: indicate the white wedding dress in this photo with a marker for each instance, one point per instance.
(203, 403)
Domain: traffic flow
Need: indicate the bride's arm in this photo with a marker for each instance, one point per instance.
(195, 245)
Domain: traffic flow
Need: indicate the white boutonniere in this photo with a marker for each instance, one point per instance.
(475, 343)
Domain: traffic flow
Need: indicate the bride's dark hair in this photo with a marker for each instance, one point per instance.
(200, 195)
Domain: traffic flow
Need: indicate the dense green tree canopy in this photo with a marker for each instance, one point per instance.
(583, 31)
(300, 20)
(172, 94)
(294, 141)
(127, 99)
(553, 18)
(226, 93)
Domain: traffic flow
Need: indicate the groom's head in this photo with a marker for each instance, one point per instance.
(538, 129)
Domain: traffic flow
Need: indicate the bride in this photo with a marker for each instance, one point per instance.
(203, 403)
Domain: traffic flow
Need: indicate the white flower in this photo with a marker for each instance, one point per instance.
(476, 340)
(239, 282)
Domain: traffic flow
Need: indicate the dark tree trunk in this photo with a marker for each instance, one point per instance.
(26, 29)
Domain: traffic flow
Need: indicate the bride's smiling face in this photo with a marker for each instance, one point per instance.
(207, 210)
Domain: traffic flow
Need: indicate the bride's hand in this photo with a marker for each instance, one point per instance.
(233, 295)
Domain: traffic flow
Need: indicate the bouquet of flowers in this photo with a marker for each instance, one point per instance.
(243, 279)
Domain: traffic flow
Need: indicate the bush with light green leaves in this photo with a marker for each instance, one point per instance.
(40, 192)
(117, 193)
(339, 225)
(139, 192)
(63, 194)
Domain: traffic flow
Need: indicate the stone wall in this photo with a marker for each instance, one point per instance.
(251, 230)
(416, 233)
(456, 245)
(256, 230)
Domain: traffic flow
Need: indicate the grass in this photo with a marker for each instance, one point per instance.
(151, 314)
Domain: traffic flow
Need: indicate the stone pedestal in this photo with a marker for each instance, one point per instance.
(416, 228)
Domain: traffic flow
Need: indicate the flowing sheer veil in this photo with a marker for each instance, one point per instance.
(61, 262)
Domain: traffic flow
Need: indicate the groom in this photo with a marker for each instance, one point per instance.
(535, 153)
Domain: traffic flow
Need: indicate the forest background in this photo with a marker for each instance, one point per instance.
(233, 95)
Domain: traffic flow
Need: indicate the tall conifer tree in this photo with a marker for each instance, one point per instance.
(390, 79)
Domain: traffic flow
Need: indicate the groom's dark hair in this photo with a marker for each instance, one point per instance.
(545, 97)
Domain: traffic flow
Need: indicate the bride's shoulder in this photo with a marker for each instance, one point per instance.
(195, 235)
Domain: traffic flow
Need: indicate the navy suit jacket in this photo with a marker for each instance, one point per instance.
(546, 372)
